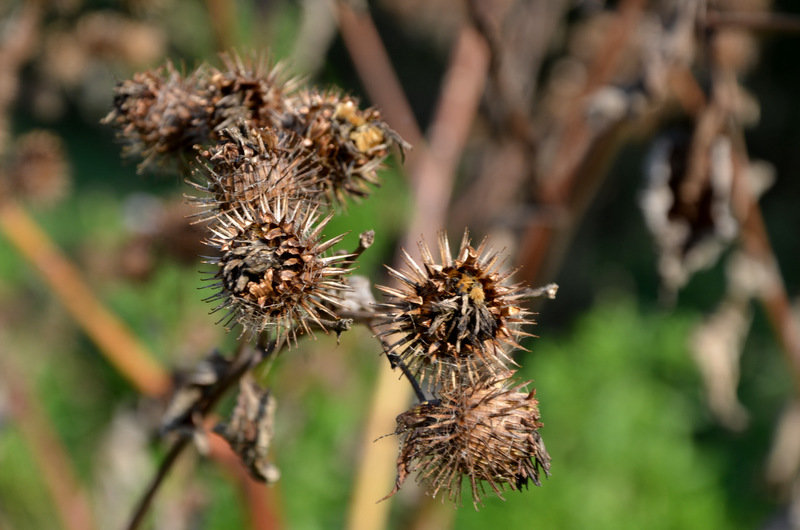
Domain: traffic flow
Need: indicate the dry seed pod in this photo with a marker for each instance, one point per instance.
(349, 143)
(250, 89)
(162, 115)
(37, 168)
(452, 320)
(248, 164)
(272, 272)
(488, 433)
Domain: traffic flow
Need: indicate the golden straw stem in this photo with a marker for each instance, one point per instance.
(112, 337)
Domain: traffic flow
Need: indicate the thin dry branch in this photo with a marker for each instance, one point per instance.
(754, 21)
(222, 18)
(245, 360)
(755, 241)
(570, 171)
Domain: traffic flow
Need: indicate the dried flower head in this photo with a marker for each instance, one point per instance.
(349, 143)
(488, 433)
(248, 89)
(248, 165)
(452, 320)
(37, 168)
(160, 114)
(272, 269)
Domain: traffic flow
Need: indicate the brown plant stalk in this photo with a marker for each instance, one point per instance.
(246, 358)
(541, 243)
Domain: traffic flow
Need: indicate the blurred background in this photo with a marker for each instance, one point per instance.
(643, 155)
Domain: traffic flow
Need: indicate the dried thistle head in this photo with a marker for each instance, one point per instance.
(488, 433)
(161, 115)
(37, 168)
(250, 89)
(272, 271)
(452, 320)
(349, 143)
(248, 165)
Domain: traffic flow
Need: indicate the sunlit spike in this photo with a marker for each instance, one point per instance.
(424, 251)
(413, 264)
(444, 249)
(320, 226)
(322, 247)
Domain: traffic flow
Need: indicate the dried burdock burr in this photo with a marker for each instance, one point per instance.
(349, 143)
(161, 115)
(452, 321)
(272, 269)
(249, 89)
(488, 433)
(248, 165)
(36, 168)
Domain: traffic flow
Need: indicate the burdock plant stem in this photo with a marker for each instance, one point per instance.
(245, 359)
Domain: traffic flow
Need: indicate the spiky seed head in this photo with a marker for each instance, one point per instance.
(488, 433)
(452, 320)
(249, 165)
(272, 269)
(349, 143)
(161, 115)
(252, 89)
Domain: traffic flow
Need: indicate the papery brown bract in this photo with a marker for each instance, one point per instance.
(488, 433)
(452, 321)
(272, 269)
(250, 429)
